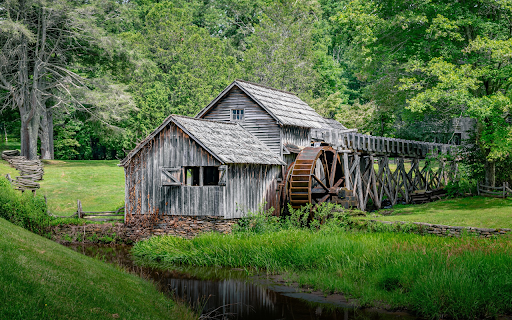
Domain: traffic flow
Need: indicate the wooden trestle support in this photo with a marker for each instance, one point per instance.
(334, 174)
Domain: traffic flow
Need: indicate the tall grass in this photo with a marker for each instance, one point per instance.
(435, 277)
(23, 209)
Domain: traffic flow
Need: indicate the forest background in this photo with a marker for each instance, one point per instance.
(90, 79)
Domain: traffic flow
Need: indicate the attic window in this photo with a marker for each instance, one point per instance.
(237, 114)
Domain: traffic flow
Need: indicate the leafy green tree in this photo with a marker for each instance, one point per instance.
(443, 58)
(288, 51)
(182, 68)
(49, 50)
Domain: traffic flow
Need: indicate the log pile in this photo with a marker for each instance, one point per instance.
(427, 196)
(31, 171)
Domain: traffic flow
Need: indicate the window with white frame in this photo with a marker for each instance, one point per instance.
(237, 114)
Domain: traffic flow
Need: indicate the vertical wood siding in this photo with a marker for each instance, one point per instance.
(170, 148)
(295, 135)
(247, 185)
(256, 120)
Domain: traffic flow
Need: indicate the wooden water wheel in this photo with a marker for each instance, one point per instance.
(316, 176)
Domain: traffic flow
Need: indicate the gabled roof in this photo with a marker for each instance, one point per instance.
(285, 107)
(227, 142)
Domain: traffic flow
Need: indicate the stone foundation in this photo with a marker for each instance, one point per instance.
(141, 227)
(447, 231)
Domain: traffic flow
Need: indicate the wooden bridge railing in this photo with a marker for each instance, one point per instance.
(351, 140)
(497, 192)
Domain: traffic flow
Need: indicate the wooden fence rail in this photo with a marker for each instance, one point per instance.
(117, 215)
(497, 192)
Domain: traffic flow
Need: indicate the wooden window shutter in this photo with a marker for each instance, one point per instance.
(170, 176)
(223, 175)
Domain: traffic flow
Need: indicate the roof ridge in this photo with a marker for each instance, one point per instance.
(267, 87)
(206, 120)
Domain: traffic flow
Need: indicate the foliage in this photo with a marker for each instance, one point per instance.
(460, 278)
(23, 209)
(473, 160)
(445, 60)
(50, 53)
(41, 279)
(325, 215)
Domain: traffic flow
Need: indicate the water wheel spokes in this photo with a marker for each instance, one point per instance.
(315, 177)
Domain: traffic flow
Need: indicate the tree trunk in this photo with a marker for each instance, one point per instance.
(29, 133)
(46, 134)
(490, 173)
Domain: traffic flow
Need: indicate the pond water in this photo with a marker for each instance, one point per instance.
(233, 294)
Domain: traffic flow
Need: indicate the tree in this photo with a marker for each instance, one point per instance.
(287, 51)
(444, 59)
(180, 69)
(45, 45)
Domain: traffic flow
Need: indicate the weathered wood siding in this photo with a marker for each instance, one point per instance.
(170, 148)
(295, 135)
(256, 120)
(248, 186)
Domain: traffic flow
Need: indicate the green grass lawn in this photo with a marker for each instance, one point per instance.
(98, 184)
(41, 279)
(469, 212)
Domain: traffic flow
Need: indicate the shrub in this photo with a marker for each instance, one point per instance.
(326, 215)
(23, 209)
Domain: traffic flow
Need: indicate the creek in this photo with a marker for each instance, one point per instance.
(222, 293)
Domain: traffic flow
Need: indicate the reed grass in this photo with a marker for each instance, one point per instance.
(435, 277)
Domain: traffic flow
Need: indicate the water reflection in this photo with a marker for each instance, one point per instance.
(232, 294)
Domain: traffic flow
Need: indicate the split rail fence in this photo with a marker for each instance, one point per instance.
(496, 192)
(31, 171)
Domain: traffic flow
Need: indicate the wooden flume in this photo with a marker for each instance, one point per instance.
(362, 175)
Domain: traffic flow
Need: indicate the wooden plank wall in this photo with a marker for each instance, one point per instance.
(248, 186)
(257, 120)
(295, 135)
(170, 148)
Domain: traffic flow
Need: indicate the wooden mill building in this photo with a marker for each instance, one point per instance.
(199, 167)
(226, 161)
(235, 154)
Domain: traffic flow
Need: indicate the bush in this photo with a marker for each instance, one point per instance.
(326, 215)
(465, 182)
(23, 209)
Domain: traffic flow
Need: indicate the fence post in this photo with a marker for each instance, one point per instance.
(79, 209)
(478, 188)
(504, 190)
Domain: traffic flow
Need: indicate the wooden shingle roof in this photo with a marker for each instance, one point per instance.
(334, 124)
(285, 107)
(228, 142)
